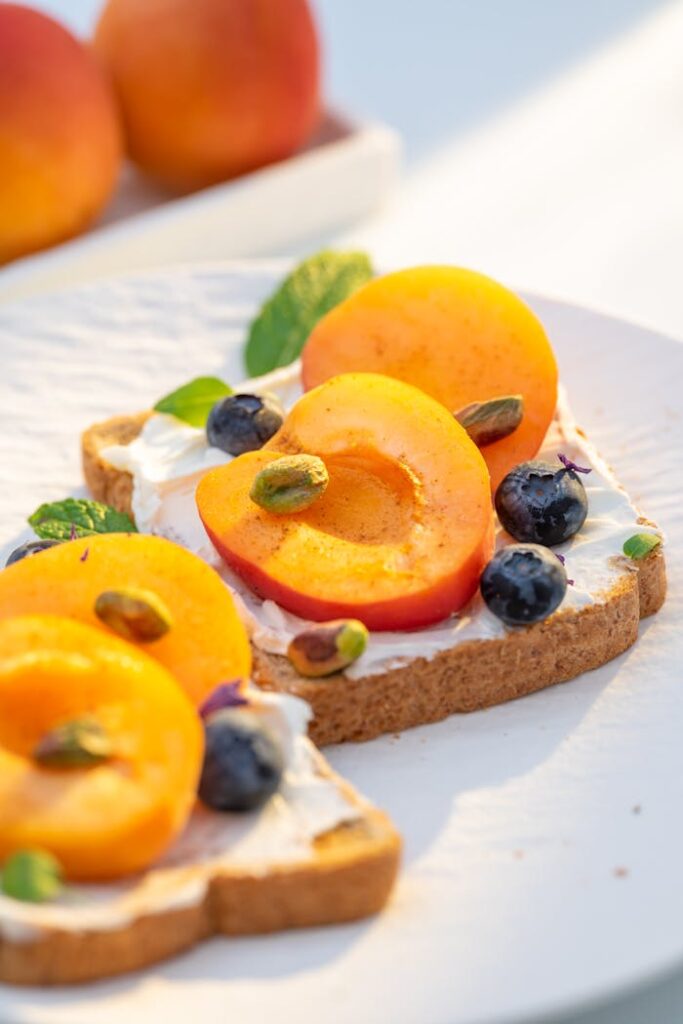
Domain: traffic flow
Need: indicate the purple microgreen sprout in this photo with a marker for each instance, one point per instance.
(557, 554)
(84, 556)
(572, 466)
(226, 695)
(72, 532)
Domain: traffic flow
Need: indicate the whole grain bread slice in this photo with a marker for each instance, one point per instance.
(465, 677)
(348, 875)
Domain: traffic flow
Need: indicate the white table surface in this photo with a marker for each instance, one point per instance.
(544, 146)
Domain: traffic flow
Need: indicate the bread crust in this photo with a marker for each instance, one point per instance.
(475, 674)
(469, 676)
(107, 484)
(349, 875)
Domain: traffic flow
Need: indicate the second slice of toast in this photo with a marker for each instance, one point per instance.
(348, 874)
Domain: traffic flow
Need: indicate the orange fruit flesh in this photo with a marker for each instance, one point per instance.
(107, 820)
(400, 535)
(207, 643)
(453, 333)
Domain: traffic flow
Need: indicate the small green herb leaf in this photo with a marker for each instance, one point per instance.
(193, 402)
(33, 876)
(316, 286)
(641, 544)
(78, 517)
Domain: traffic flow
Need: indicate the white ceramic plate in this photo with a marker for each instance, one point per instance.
(543, 838)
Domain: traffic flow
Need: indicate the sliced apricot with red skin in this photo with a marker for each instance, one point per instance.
(110, 819)
(457, 335)
(402, 532)
(207, 643)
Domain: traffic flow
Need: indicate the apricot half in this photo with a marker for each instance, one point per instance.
(60, 137)
(457, 335)
(206, 643)
(211, 88)
(400, 535)
(109, 819)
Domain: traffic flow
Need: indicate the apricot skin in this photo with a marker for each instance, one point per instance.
(210, 89)
(115, 818)
(207, 643)
(60, 135)
(401, 534)
(457, 335)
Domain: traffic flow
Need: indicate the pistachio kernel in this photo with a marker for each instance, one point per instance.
(486, 422)
(137, 615)
(328, 647)
(80, 743)
(33, 876)
(289, 484)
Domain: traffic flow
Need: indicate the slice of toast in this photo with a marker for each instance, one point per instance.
(347, 876)
(468, 676)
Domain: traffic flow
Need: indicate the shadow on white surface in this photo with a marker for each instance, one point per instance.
(659, 1003)
(485, 752)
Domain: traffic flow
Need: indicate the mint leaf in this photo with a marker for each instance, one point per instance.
(33, 876)
(193, 402)
(279, 332)
(641, 544)
(78, 517)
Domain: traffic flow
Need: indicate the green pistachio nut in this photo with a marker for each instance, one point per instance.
(491, 421)
(33, 876)
(80, 743)
(328, 647)
(290, 484)
(136, 615)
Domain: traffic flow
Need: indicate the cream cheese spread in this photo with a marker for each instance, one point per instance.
(168, 458)
(306, 805)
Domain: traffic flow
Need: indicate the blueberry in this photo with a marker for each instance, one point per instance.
(243, 423)
(523, 583)
(541, 503)
(31, 547)
(243, 761)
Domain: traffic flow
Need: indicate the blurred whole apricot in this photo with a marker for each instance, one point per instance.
(210, 89)
(60, 137)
